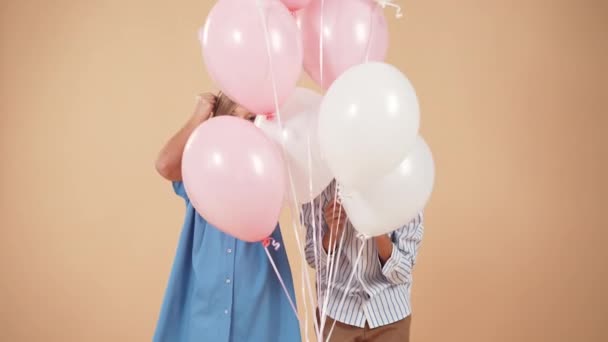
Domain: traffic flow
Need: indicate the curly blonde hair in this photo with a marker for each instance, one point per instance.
(223, 105)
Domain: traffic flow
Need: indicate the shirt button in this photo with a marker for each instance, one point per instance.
(229, 250)
(227, 280)
(226, 312)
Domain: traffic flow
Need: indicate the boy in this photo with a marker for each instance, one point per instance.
(375, 306)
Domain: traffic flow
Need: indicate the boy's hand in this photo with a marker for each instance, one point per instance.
(335, 217)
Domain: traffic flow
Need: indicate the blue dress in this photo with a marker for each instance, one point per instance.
(224, 290)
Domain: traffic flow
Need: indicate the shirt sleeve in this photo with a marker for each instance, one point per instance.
(407, 240)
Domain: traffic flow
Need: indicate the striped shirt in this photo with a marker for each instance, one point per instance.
(377, 295)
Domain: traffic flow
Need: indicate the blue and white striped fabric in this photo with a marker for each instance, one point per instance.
(378, 295)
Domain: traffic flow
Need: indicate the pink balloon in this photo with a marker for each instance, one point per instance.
(234, 177)
(236, 55)
(354, 31)
(294, 5)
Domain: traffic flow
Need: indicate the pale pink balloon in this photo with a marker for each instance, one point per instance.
(236, 55)
(354, 31)
(294, 5)
(234, 177)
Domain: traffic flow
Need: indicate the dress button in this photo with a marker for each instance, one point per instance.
(229, 250)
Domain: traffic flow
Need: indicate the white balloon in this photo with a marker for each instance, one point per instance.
(395, 199)
(299, 116)
(368, 122)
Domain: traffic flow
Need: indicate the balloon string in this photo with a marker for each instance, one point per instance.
(317, 248)
(341, 304)
(336, 191)
(389, 3)
(331, 236)
(308, 281)
(328, 272)
(317, 244)
(332, 277)
(318, 241)
(321, 38)
(323, 316)
(339, 195)
(293, 306)
(306, 337)
(283, 149)
(316, 238)
(371, 32)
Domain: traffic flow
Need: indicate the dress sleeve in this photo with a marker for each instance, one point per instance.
(180, 190)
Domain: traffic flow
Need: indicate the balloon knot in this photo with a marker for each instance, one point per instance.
(362, 236)
(390, 3)
(270, 241)
(341, 193)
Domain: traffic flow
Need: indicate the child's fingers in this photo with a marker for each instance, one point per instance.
(335, 212)
(333, 206)
(335, 216)
(338, 220)
(330, 212)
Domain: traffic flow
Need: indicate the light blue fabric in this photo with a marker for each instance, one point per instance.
(224, 290)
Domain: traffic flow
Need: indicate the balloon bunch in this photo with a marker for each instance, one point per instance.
(363, 132)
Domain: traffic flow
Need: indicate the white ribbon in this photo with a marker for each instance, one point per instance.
(390, 3)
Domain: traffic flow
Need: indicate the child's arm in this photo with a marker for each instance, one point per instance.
(398, 258)
(385, 248)
(169, 161)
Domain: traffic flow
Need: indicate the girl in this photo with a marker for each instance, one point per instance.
(221, 289)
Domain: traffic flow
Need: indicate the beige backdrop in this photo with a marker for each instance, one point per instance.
(511, 94)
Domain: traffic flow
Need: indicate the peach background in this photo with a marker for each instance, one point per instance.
(513, 96)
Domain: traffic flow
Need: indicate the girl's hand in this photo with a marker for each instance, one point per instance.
(204, 106)
(335, 217)
(169, 161)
